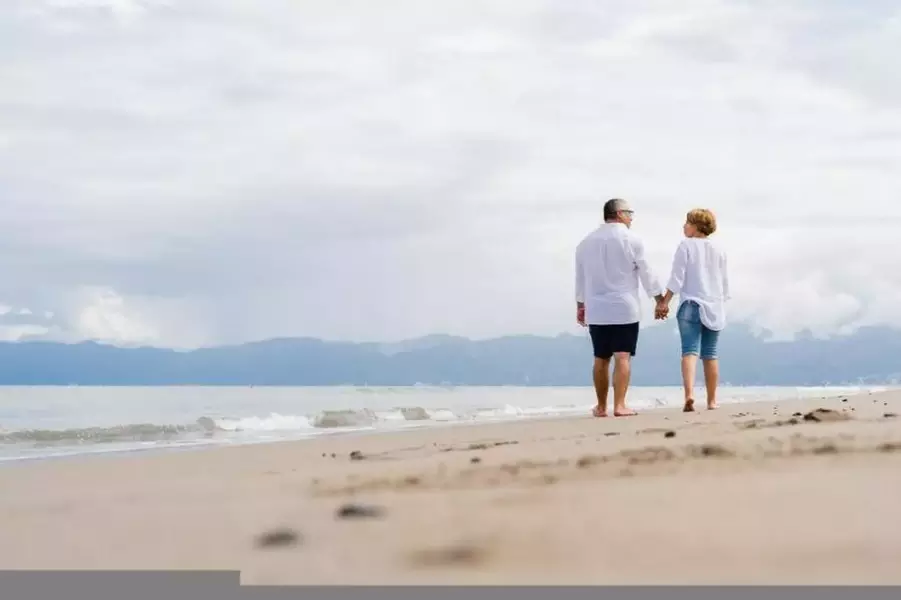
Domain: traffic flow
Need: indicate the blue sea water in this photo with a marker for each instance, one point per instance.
(45, 422)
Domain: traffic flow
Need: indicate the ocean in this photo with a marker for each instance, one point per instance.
(48, 422)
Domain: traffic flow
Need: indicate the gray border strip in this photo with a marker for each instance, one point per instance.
(225, 585)
(644, 592)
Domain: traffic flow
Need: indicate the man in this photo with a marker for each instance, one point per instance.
(610, 263)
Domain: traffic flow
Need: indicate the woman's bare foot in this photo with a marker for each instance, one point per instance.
(712, 405)
(598, 412)
(689, 406)
(624, 412)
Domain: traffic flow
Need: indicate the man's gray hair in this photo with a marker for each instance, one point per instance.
(613, 206)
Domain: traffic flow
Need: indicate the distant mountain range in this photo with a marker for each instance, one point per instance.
(869, 356)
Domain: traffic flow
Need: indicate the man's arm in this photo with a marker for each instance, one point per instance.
(646, 276)
(580, 290)
(726, 295)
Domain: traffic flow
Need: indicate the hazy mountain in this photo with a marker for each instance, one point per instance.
(871, 355)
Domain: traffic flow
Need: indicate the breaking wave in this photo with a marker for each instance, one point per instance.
(97, 435)
(211, 429)
(324, 421)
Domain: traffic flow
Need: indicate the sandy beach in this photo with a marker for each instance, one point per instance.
(792, 492)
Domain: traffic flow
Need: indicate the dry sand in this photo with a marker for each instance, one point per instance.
(745, 494)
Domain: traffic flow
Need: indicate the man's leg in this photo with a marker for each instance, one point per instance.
(622, 373)
(624, 345)
(600, 337)
(601, 384)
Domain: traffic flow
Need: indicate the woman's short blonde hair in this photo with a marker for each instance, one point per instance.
(703, 220)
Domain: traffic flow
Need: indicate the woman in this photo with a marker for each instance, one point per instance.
(699, 278)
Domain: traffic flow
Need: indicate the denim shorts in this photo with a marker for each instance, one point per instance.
(696, 337)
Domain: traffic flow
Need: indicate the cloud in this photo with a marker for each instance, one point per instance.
(211, 171)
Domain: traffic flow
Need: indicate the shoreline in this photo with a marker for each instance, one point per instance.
(97, 450)
(749, 493)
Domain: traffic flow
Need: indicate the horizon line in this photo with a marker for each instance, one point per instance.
(761, 333)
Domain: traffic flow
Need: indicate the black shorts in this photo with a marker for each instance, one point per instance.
(610, 339)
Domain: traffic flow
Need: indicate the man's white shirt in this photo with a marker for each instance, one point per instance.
(699, 274)
(610, 264)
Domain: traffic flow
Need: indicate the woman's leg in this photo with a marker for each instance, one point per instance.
(689, 368)
(690, 335)
(709, 339)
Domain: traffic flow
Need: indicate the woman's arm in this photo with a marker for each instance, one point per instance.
(677, 274)
(676, 280)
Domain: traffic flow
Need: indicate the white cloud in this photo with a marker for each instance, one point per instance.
(17, 333)
(231, 170)
(104, 316)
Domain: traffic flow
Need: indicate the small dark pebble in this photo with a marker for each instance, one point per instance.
(825, 449)
(824, 414)
(359, 511)
(611, 433)
(334, 455)
(587, 461)
(278, 538)
(712, 450)
(669, 434)
(356, 455)
(475, 460)
(457, 554)
(797, 415)
(844, 399)
(890, 415)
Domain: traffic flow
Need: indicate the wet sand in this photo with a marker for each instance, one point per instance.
(753, 493)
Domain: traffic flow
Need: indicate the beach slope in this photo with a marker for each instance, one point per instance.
(792, 492)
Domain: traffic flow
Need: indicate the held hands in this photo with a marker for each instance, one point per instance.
(661, 311)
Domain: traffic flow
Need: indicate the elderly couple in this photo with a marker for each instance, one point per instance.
(610, 263)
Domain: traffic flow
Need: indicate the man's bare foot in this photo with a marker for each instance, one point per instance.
(689, 406)
(624, 412)
(712, 405)
(599, 412)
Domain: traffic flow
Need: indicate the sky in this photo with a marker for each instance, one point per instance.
(188, 173)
